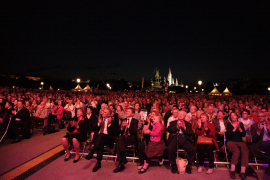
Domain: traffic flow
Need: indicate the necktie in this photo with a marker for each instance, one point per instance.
(126, 131)
(102, 127)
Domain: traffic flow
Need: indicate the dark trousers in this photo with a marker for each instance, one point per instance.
(100, 141)
(265, 146)
(50, 117)
(21, 128)
(208, 149)
(142, 155)
(121, 147)
(35, 119)
(183, 143)
(235, 148)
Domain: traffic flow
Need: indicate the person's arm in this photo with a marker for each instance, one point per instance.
(229, 132)
(84, 126)
(211, 130)
(157, 131)
(188, 131)
(172, 129)
(198, 131)
(254, 133)
(243, 133)
(134, 128)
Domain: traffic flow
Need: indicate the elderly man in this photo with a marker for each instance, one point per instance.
(260, 133)
(40, 115)
(183, 130)
(192, 111)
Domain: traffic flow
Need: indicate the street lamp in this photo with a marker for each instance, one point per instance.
(200, 83)
(42, 83)
(202, 89)
(269, 89)
(194, 88)
(187, 88)
(78, 80)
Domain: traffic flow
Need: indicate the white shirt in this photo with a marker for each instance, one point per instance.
(222, 126)
(171, 119)
(105, 131)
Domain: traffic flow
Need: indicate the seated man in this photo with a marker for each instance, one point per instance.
(4, 118)
(128, 131)
(105, 132)
(260, 133)
(21, 119)
(184, 131)
(40, 115)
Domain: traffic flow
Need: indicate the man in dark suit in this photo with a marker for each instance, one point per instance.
(128, 136)
(21, 122)
(260, 133)
(105, 132)
(184, 131)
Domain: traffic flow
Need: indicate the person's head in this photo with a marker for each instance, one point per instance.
(45, 99)
(181, 115)
(210, 109)
(27, 103)
(8, 105)
(204, 117)
(233, 117)
(175, 112)
(130, 112)
(20, 104)
(70, 102)
(42, 104)
(193, 109)
(59, 103)
(88, 110)
(80, 112)
(198, 114)
(111, 107)
(137, 106)
(157, 119)
(261, 117)
(103, 105)
(125, 104)
(119, 108)
(220, 114)
(245, 113)
(106, 112)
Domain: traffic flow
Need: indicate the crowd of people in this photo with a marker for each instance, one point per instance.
(156, 125)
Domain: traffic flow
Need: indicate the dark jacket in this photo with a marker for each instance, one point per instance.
(112, 131)
(92, 120)
(217, 126)
(172, 129)
(235, 136)
(256, 139)
(133, 127)
(83, 126)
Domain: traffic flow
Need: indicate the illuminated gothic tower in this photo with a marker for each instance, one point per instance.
(170, 77)
(176, 82)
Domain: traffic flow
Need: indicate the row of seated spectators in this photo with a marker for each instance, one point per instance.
(243, 119)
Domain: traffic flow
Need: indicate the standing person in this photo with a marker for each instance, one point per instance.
(105, 132)
(21, 120)
(184, 131)
(77, 133)
(128, 132)
(155, 141)
(234, 134)
(206, 129)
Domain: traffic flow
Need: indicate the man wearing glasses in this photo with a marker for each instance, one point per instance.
(261, 138)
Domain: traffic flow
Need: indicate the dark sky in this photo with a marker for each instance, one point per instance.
(210, 41)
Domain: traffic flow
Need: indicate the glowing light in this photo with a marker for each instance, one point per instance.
(186, 86)
(194, 88)
(78, 80)
(200, 82)
(42, 83)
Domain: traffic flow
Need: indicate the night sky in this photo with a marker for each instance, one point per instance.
(210, 41)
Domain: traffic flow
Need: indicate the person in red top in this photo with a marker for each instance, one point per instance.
(56, 113)
(204, 128)
(77, 132)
